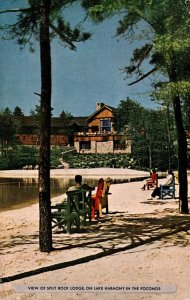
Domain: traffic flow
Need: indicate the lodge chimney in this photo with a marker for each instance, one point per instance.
(99, 105)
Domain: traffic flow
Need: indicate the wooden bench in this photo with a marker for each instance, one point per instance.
(73, 212)
(168, 190)
(105, 205)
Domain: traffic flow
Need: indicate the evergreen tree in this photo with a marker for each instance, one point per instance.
(18, 112)
(7, 131)
(152, 134)
(167, 50)
(43, 20)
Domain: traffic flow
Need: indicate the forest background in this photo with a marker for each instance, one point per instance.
(152, 132)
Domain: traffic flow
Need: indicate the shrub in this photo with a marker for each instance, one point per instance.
(22, 156)
(19, 157)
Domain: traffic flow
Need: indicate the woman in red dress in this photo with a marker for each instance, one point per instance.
(96, 198)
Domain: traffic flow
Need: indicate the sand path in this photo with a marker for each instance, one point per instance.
(141, 242)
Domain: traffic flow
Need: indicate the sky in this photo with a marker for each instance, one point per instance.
(80, 78)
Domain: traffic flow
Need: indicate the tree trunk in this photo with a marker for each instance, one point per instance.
(150, 156)
(169, 144)
(182, 157)
(182, 150)
(45, 231)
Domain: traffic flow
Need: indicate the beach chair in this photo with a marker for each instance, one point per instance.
(105, 193)
(152, 182)
(73, 212)
(168, 190)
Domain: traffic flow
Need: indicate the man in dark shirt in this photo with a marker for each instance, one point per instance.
(78, 185)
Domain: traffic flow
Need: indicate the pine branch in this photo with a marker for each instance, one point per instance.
(15, 10)
(63, 36)
(144, 76)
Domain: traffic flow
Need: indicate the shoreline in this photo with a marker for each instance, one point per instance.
(119, 176)
(94, 172)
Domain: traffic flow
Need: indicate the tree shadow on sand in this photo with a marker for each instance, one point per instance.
(14, 242)
(120, 232)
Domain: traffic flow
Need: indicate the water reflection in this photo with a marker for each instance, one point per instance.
(20, 192)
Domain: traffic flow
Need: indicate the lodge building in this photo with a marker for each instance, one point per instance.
(93, 134)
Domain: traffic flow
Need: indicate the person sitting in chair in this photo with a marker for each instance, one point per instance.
(78, 185)
(150, 181)
(96, 198)
(168, 181)
(104, 198)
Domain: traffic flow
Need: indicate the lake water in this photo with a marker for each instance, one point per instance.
(21, 192)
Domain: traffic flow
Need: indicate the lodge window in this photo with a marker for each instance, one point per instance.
(105, 125)
(119, 145)
(85, 145)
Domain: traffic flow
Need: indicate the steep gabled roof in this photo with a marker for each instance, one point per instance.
(112, 109)
(56, 122)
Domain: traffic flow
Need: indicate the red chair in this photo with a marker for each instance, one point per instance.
(96, 198)
(152, 182)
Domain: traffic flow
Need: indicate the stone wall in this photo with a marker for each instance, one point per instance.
(104, 147)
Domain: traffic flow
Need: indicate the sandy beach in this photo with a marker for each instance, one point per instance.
(141, 246)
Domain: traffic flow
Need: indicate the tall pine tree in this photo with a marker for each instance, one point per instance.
(44, 20)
